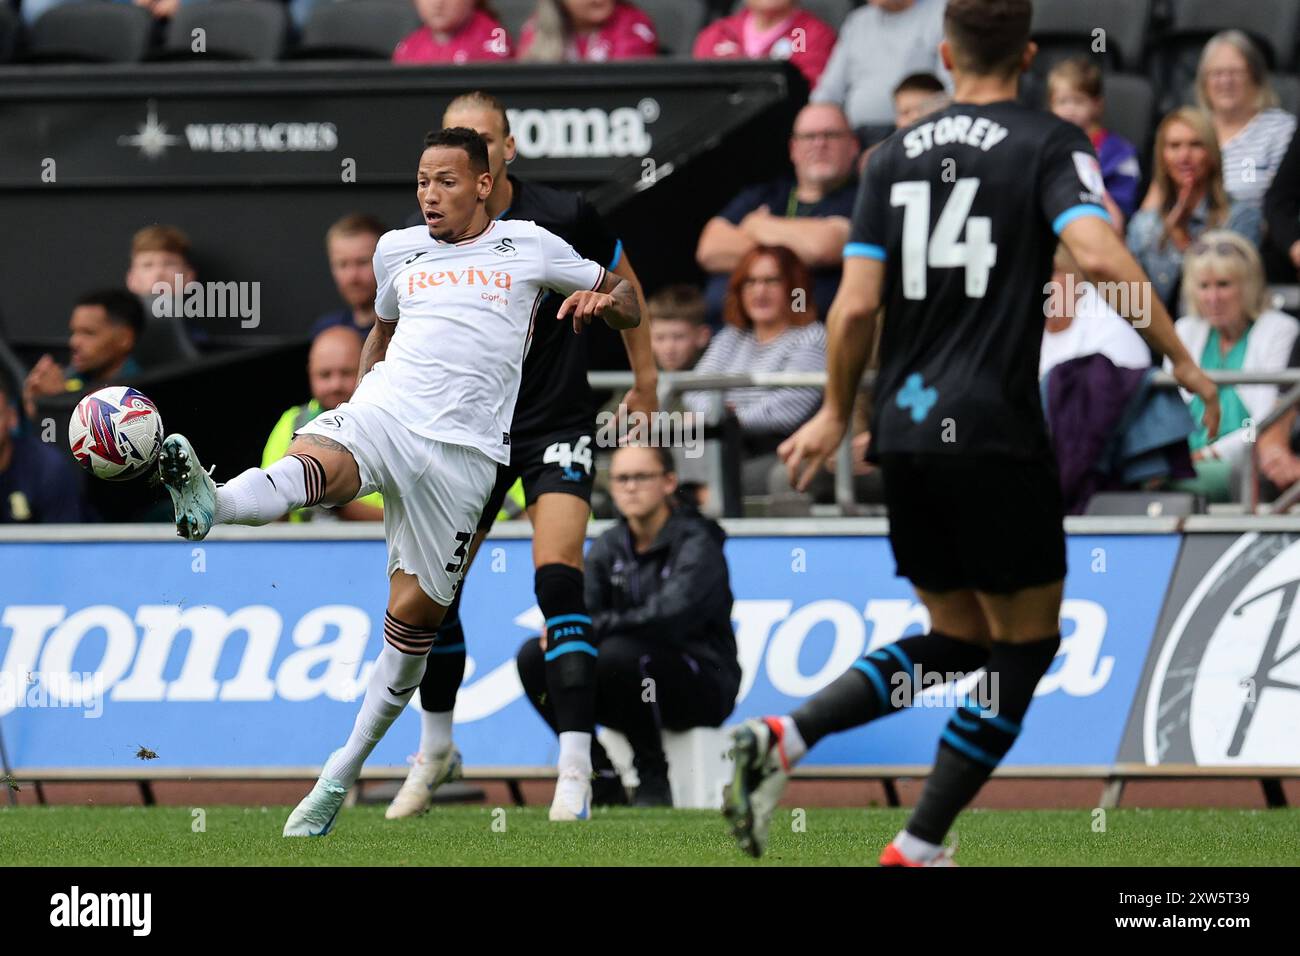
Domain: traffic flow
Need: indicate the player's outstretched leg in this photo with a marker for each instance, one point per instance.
(879, 684)
(392, 684)
(257, 496)
(437, 761)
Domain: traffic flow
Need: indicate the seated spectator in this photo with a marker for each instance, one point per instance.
(809, 214)
(769, 29)
(454, 31)
(102, 333)
(1232, 85)
(764, 333)
(678, 333)
(38, 482)
(160, 256)
(878, 45)
(332, 366)
(350, 245)
(660, 600)
(1074, 93)
(1080, 322)
(1186, 198)
(1230, 328)
(577, 31)
(916, 96)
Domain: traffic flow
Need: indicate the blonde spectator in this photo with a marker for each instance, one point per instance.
(1230, 328)
(1186, 198)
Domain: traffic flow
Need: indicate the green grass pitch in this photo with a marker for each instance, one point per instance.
(486, 836)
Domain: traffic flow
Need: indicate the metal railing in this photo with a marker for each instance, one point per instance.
(672, 384)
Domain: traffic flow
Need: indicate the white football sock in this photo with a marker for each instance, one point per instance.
(395, 670)
(795, 748)
(258, 497)
(575, 751)
(435, 733)
(914, 848)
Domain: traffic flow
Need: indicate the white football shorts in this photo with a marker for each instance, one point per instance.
(434, 492)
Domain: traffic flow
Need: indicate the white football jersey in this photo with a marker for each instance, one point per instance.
(466, 315)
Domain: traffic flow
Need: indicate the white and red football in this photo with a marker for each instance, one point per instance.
(116, 433)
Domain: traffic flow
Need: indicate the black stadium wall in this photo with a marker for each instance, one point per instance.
(255, 163)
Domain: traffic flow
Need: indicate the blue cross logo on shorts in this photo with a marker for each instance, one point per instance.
(571, 474)
(916, 397)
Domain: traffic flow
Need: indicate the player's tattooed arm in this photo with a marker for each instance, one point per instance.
(625, 313)
(376, 347)
(615, 302)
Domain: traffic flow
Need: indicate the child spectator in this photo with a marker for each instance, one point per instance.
(576, 31)
(454, 31)
(916, 96)
(678, 331)
(1074, 93)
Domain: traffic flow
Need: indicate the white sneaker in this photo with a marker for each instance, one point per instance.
(314, 816)
(757, 785)
(427, 775)
(194, 493)
(572, 796)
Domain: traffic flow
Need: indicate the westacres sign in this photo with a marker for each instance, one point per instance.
(255, 653)
(1222, 686)
(303, 125)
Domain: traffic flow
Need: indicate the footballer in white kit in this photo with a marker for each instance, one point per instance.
(427, 425)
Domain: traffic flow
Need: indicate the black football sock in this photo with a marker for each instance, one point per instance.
(880, 683)
(446, 665)
(980, 733)
(570, 649)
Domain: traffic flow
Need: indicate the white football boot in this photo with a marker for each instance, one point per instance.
(757, 784)
(572, 799)
(314, 816)
(194, 493)
(426, 776)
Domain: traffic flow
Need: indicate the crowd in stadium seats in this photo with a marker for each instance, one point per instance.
(1207, 192)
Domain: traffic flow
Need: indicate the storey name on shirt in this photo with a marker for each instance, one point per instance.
(978, 131)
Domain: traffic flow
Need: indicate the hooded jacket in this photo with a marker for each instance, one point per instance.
(678, 591)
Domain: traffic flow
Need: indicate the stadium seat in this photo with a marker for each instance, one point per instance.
(1273, 21)
(1287, 86)
(91, 33)
(163, 341)
(357, 29)
(513, 14)
(10, 26)
(247, 30)
(1126, 23)
(1130, 110)
(677, 22)
(1153, 504)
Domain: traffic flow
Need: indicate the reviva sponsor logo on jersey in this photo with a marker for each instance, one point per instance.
(470, 276)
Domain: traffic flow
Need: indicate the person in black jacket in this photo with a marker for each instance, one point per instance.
(1282, 216)
(660, 600)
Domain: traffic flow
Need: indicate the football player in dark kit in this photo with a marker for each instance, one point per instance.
(953, 234)
(551, 449)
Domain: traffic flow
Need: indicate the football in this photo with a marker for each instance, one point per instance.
(116, 433)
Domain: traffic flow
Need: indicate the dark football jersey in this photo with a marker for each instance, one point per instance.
(965, 208)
